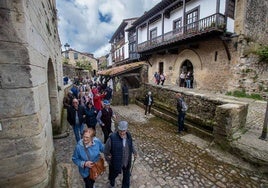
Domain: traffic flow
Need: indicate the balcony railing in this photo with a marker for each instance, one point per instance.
(215, 22)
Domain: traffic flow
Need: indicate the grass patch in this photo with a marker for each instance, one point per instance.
(243, 94)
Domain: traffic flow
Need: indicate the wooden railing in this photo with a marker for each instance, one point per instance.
(215, 22)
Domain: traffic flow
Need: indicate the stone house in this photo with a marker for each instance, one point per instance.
(211, 39)
(31, 91)
(73, 57)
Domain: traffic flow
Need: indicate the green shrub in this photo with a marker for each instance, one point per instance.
(243, 94)
(263, 54)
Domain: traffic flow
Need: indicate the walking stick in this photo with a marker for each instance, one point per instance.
(132, 165)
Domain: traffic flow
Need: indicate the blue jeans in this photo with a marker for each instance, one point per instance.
(181, 117)
(78, 131)
(188, 83)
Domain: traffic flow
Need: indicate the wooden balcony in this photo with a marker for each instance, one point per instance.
(215, 22)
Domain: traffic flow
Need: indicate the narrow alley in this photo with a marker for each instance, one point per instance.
(166, 159)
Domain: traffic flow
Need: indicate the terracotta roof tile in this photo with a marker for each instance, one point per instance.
(121, 69)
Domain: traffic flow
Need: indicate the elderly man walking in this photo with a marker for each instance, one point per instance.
(75, 116)
(104, 119)
(118, 152)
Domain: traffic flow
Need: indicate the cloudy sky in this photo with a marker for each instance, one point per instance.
(87, 25)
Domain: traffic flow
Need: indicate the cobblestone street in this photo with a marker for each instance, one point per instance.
(166, 159)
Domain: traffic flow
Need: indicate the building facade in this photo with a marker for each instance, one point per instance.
(207, 38)
(120, 43)
(31, 91)
(76, 58)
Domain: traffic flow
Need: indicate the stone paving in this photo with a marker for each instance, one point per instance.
(166, 159)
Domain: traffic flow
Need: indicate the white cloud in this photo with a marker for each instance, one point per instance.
(80, 27)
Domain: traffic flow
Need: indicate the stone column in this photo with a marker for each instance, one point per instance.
(230, 119)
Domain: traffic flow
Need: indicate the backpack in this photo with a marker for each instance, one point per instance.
(162, 77)
(184, 106)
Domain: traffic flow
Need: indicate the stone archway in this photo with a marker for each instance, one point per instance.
(53, 97)
(189, 60)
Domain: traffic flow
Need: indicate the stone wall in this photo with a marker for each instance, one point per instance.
(251, 26)
(221, 118)
(209, 73)
(30, 90)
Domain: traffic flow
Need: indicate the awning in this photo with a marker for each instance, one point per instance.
(114, 71)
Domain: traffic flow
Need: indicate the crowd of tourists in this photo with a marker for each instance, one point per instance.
(88, 105)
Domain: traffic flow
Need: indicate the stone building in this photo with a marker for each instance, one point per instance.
(74, 57)
(212, 39)
(31, 91)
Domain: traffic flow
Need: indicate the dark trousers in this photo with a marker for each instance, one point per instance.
(125, 99)
(181, 117)
(89, 182)
(106, 129)
(147, 109)
(126, 177)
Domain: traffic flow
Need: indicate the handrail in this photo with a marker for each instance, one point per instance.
(204, 25)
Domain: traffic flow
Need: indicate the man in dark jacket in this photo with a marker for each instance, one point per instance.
(118, 152)
(125, 94)
(181, 108)
(148, 102)
(75, 116)
(104, 119)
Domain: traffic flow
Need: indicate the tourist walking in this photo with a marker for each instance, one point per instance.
(104, 119)
(125, 94)
(188, 79)
(162, 78)
(182, 79)
(108, 93)
(91, 115)
(86, 153)
(181, 108)
(148, 102)
(75, 117)
(68, 100)
(97, 99)
(118, 152)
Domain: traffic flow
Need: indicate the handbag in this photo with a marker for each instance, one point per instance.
(98, 167)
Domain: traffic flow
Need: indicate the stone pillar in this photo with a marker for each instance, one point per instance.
(230, 119)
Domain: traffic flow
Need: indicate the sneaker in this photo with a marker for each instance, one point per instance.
(150, 114)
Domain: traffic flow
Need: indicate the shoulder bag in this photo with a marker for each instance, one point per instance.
(98, 167)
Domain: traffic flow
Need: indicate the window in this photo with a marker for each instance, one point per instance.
(67, 55)
(177, 24)
(192, 18)
(75, 55)
(153, 33)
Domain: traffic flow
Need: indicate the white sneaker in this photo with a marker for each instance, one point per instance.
(150, 114)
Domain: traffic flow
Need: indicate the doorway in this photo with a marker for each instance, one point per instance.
(161, 68)
(188, 69)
